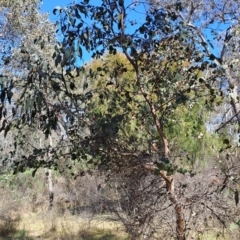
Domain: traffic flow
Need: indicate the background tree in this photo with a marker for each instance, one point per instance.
(151, 86)
(215, 28)
(22, 27)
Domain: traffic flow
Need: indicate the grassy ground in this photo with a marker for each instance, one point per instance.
(21, 218)
(51, 226)
(24, 215)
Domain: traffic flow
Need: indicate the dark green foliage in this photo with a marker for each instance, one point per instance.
(105, 112)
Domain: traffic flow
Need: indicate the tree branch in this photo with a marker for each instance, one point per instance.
(224, 124)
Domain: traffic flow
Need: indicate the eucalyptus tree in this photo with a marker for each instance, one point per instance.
(132, 117)
(22, 26)
(215, 26)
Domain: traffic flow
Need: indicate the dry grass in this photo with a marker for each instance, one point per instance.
(50, 226)
(24, 215)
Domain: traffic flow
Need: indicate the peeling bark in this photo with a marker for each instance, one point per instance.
(48, 174)
(179, 211)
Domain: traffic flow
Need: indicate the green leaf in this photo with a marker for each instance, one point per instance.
(37, 151)
(133, 52)
(142, 29)
(79, 25)
(2, 96)
(226, 141)
(4, 112)
(34, 172)
(121, 3)
(212, 57)
(67, 54)
(13, 112)
(72, 86)
(28, 103)
(58, 60)
(204, 44)
(55, 85)
(7, 129)
(236, 197)
(79, 50)
(53, 122)
(238, 223)
(42, 44)
(85, 85)
(58, 8)
(178, 77)
(82, 9)
(1, 111)
(9, 96)
(3, 79)
(3, 125)
(89, 95)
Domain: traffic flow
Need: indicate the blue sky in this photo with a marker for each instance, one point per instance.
(49, 5)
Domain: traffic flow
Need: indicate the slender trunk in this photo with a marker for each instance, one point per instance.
(49, 178)
(48, 174)
(235, 106)
(179, 211)
(233, 95)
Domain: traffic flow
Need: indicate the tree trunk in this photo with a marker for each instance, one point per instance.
(179, 211)
(48, 174)
(49, 178)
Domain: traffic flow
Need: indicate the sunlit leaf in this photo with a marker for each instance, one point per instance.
(58, 8)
